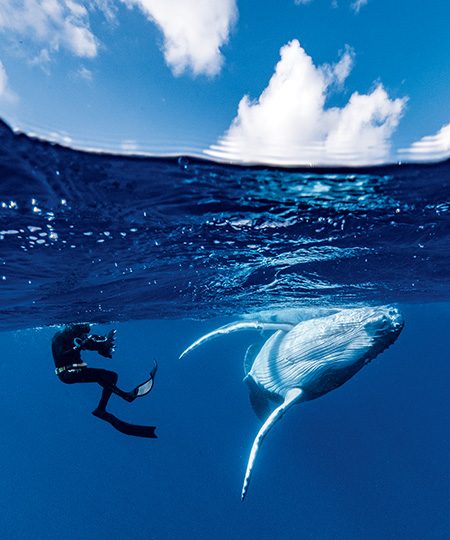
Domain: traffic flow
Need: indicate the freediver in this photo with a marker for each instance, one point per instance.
(67, 345)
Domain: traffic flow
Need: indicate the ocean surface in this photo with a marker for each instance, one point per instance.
(167, 249)
(100, 237)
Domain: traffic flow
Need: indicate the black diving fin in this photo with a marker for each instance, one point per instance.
(134, 430)
(144, 388)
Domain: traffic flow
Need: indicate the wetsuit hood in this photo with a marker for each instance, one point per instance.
(79, 329)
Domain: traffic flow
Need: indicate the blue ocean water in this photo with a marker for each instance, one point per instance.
(167, 249)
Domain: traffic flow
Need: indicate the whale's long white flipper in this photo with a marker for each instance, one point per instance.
(234, 327)
(292, 397)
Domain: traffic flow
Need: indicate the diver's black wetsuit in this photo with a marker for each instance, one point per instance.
(70, 368)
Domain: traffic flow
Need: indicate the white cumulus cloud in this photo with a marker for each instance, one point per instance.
(84, 73)
(290, 124)
(5, 91)
(430, 147)
(338, 72)
(358, 4)
(3, 79)
(51, 23)
(194, 31)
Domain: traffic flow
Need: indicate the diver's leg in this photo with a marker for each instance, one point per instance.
(108, 381)
(92, 375)
(106, 394)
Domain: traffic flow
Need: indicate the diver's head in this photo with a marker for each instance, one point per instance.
(79, 329)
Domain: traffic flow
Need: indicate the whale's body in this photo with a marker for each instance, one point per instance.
(309, 359)
(321, 354)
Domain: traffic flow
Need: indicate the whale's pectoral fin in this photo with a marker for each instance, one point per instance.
(235, 327)
(292, 397)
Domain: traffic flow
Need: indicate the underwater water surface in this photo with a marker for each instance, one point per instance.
(168, 249)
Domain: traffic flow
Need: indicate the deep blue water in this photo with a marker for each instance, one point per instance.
(166, 250)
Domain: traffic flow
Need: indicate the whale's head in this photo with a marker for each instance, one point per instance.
(383, 324)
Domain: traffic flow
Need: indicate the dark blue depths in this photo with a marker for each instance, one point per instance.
(368, 461)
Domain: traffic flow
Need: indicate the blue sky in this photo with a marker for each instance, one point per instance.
(316, 81)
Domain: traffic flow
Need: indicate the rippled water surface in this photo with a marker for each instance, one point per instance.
(100, 237)
(105, 238)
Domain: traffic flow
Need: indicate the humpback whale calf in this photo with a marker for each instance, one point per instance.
(304, 361)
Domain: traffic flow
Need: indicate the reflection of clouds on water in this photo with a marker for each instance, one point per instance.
(430, 147)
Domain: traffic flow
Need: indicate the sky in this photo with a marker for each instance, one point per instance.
(294, 82)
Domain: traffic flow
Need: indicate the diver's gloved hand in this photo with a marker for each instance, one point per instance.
(107, 346)
(104, 345)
